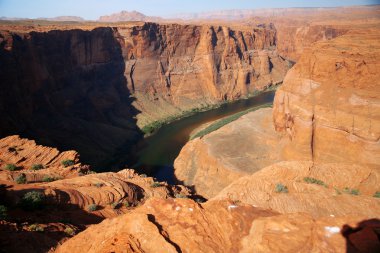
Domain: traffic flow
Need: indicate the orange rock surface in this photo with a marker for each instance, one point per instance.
(328, 106)
(238, 149)
(333, 195)
(217, 226)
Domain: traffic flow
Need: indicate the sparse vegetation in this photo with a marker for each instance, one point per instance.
(224, 121)
(32, 200)
(143, 175)
(92, 207)
(351, 191)
(37, 166)
(180, 196)
(311, 180)
(49, 179)
(98, 185)
(36, 228)
(115, 205)
(377, 194)
(67, 162)
(337, 191)
(69, 231)
(11, 167)
(3, 212)
(126, 204)
(280, 188)
(21, 179)
(155, 184)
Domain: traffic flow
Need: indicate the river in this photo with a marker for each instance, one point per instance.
(161, 149)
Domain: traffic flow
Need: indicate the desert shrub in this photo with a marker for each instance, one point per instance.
(155, 185)
(11, 167)
(21, 179)
(69, 231)
(98, 185)
(281, 188)
(36, 228)
(351, 191)
(32, 200)
(126, 204)
(37, 166)
(180, 196)
(115, 205)
(3, 212)
(67, 162)
(377, 194)
(48, 179)
(311, 180)
(92, 207)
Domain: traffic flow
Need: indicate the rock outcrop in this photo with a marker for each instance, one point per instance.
(217, 226)
(328, 106)
(319, 190)
(238, 149)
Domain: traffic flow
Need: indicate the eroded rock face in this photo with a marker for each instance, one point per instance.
(67, 89)
(238, 149)
(217, 226)
(330, 196)
(170, 68)
(328, 106)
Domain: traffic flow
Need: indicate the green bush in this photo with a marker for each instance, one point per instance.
(92, 207)
(3, 212)
(36, 228)
(351, 191)
(32, 200)
(21, 179)
(311, 180)
(377, 194)
(11, 167)
(67, 162)
(115, 205)
(48, 179)
(37, 166)
(155, 185)
(69, 231)
(281, 188)
(126, 204)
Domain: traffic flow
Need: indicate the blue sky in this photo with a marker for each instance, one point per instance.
(92, 9)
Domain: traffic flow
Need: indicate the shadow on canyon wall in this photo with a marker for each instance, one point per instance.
(67, 89)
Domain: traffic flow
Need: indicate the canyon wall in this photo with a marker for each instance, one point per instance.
(171, 68)
(67, 89)
(326, 111)
(88, 90)
(329, 107)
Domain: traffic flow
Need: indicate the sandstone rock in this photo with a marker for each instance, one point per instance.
(331, 197)
(218, 226)
(329, 103)
(240, 148)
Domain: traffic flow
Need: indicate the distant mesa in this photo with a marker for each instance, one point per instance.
(128, 16)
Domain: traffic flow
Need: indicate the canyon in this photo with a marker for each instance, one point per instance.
(299, 176)
(64, 88)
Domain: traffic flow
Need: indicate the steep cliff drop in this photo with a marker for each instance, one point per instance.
(92, 90)
(326, 112)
